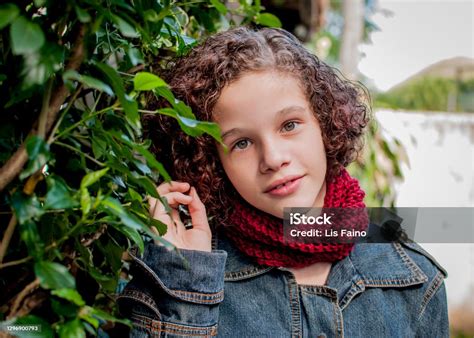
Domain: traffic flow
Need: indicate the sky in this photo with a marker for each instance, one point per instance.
(417, 33)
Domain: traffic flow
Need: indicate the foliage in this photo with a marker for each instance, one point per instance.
(327, 42)
(74, 75)
(430, 94)
(379, 167)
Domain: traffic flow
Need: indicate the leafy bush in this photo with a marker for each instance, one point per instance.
(430, 94)
(76, 168)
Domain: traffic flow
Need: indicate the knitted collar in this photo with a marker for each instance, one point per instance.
(260, 235)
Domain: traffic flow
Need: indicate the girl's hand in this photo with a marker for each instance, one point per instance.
(176, 193)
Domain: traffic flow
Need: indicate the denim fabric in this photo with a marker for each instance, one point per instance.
(379, 290)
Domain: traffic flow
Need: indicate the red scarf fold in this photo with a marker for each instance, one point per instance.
(259, 235)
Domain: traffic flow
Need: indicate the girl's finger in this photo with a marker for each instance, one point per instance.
(178, 224)
(173, 199)
(167, 187)
(197, 210)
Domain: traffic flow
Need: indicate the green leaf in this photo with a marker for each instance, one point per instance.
(147, 81)
(151, 16)
(86, 201)
(88, 81)
(82, 14)
(113, 255)
(114, 206)
(59, 194)
(30, 236)
(132, 234)
(44, 327)
(194, 127)
(107, 316)
(146, 183)
(40, 65)
(64, 308)
(71, 295)
(54, 276)
(72, 329)
(130, 106)
(134, 196)
(167, 94)
(135, 56)
(269, 20)
(92, 177)
(181, 17)
(160, 226)
(38, 154)
(125, 28)
(219, 6)
(39, 3)
(149, 157)
(26, 207)
(8, 13)
(26, 36)
(91, 320)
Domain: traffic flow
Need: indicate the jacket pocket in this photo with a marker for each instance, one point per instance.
(147, 327)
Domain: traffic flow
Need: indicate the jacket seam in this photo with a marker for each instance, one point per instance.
(319, 290)
(393, 282)
(158, 326)
(294, 308)
(338, 319)
(354, 291)
(430, 292)
(421, 251)
(249, 272)
(211, 298)
(232, 276)
(419, 276)
(408, 261)
(142, 298)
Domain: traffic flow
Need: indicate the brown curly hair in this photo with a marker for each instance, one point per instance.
(199, 78)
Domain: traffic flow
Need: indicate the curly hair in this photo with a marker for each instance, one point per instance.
(199, 78)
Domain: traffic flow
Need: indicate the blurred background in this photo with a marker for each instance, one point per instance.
(416, 59)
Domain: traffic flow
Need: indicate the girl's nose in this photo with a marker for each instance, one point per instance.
(273, 157)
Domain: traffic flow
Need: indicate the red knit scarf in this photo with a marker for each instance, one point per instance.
(260, 235)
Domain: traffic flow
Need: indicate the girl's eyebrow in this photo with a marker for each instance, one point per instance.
(279, 114)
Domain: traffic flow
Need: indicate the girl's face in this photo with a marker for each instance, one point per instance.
(276, 155)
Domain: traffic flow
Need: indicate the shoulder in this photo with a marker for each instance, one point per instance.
(406, 267)
(404, 263)
(410, 277)
(424, 260)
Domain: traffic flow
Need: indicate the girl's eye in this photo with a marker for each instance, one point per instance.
(289, 126)
(242, 144)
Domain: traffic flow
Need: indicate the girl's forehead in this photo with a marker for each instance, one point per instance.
(257, 93)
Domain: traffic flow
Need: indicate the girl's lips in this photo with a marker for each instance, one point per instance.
(287, 188)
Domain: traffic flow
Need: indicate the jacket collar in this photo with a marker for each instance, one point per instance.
(368, 265)
(373, 265)
(238, 266)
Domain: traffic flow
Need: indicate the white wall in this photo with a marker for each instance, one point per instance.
(440, 148)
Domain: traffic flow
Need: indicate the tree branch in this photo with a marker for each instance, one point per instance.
(19, 298)
(14, 165)
(7, 237)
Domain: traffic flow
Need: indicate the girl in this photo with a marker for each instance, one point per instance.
(291, 126)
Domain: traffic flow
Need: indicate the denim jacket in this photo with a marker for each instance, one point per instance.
(379, 290)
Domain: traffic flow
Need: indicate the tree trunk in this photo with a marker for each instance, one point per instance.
(353, 13)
